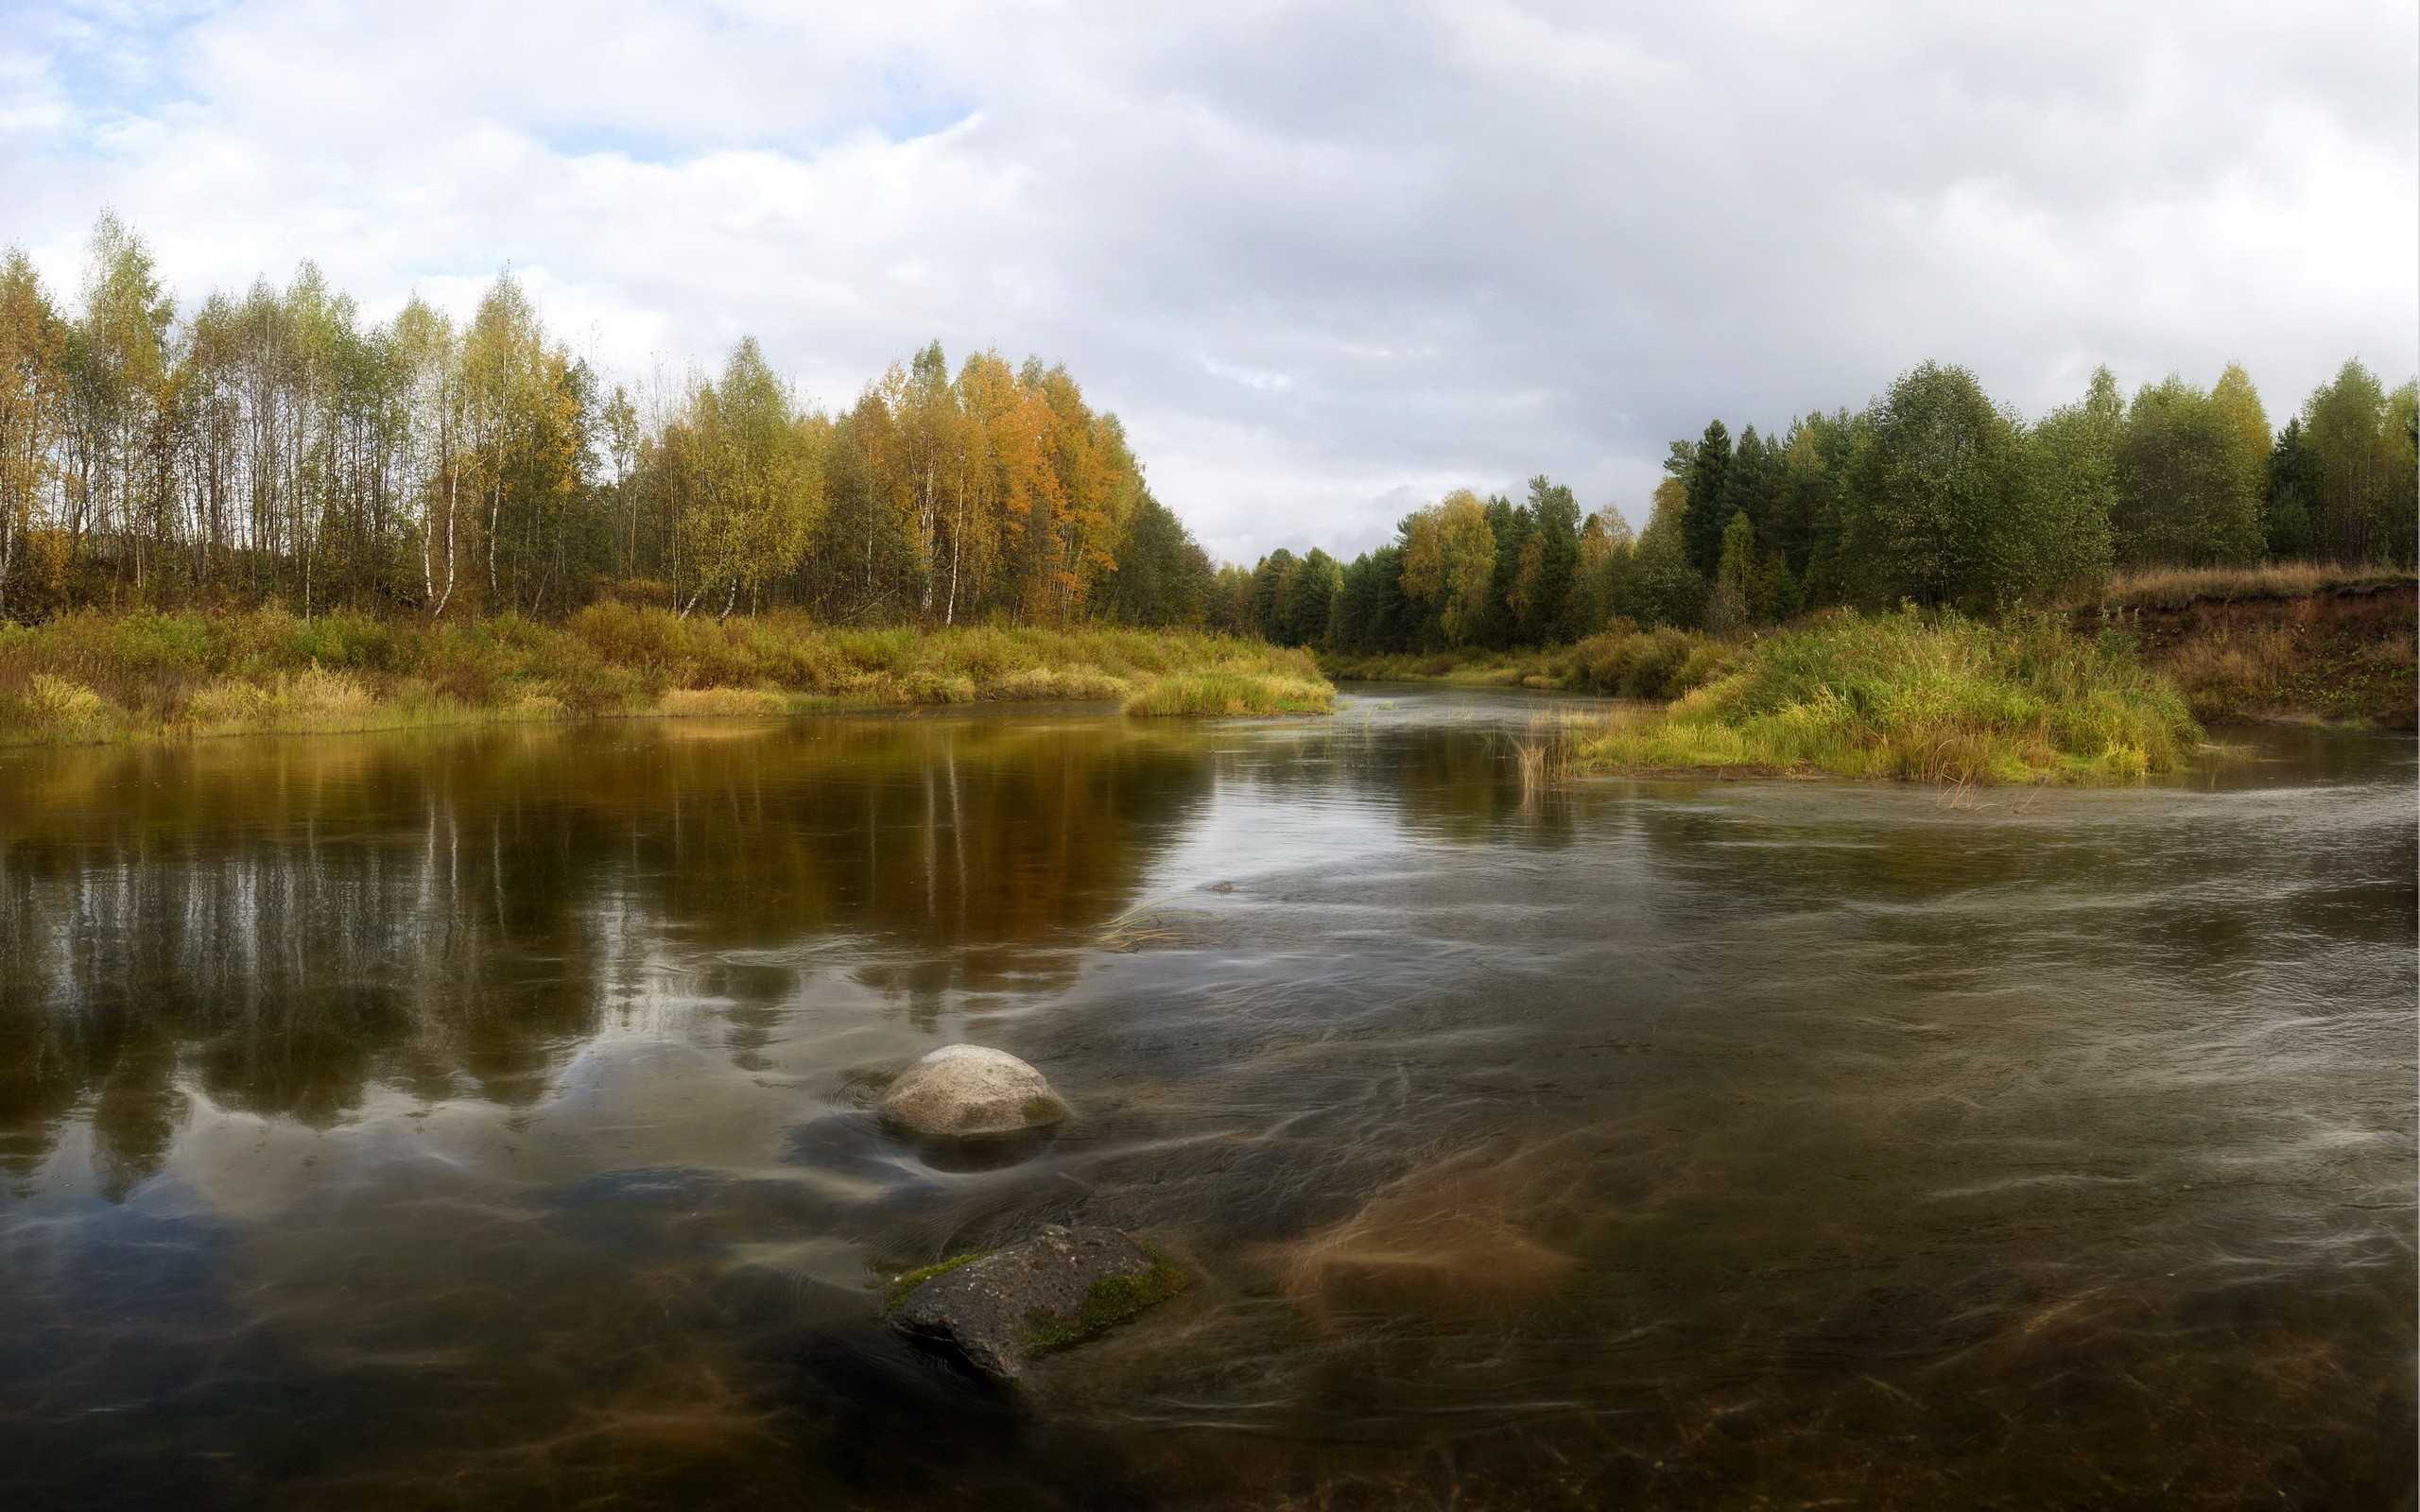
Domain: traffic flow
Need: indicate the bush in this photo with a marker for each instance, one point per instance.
(342, 640)
(1658, 664)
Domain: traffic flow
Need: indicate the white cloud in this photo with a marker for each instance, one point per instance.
(1324, 258)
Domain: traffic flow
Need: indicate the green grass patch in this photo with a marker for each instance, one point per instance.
(1107, 1304)
(1224, 692)
(1919, 697)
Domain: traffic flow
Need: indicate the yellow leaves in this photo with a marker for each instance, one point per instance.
(998, 491)
(1450, 559)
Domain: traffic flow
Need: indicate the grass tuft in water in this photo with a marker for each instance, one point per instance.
(1928, 698)
(1222, 691)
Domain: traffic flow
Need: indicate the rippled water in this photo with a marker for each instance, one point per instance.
(479, 1119)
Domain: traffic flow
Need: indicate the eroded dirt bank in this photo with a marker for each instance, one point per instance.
(2343, 655)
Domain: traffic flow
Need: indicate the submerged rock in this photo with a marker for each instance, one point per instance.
(966, 1091)
(1061, 1287)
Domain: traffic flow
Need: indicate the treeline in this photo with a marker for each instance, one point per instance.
(277, 448)
(1932, 495)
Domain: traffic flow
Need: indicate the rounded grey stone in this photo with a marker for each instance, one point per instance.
(966, 1091)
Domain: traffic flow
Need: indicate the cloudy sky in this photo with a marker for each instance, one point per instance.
(1326, 259)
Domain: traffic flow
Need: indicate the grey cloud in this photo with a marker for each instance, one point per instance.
(1324, 258)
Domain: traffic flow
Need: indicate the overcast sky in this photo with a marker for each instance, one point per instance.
(1327, 259)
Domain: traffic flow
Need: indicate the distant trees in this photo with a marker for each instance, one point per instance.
(277, 447)
(1933, 494)
(2360, 441)
(2191, 474)
(1450, 554)
(1163, 575)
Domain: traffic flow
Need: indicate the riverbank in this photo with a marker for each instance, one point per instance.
(2106, 690)
(2298, 644)
(1915, 696)
(1659, 663)
(98, 677)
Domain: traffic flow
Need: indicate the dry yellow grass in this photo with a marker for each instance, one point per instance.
(94, 676)
(2174, 587)
(1230, 694)
(727, 703)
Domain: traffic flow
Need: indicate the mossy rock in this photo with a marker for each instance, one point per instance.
(1107, 1303)
(1001, 1309)
(903, 1284)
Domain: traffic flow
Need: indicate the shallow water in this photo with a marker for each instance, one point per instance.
(449, 1120)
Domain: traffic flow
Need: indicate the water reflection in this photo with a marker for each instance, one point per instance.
(280, 924)
(482, 1119)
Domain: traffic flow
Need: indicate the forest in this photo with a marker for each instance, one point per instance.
(277, 449)
(1931, 495)
(277, 452)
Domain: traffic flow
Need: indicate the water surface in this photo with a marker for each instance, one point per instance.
(479, 1119)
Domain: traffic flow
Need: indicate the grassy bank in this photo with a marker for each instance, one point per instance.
(94, 676)
(1933, 698)
(1622, 661)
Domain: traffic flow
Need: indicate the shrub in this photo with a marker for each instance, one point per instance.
(1658, 664)
(342, 640)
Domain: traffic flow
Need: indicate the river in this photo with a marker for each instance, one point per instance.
(479, 1118)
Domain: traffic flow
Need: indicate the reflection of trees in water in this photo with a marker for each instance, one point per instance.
(1457, 782)
(284, 924)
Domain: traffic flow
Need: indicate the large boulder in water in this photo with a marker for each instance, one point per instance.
(966, 1091)
(1061, 1287)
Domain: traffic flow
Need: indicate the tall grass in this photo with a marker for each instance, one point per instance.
(1232, 691)
(1928, 697)
(94, 676)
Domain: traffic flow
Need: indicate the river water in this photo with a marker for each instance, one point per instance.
(479, 1119)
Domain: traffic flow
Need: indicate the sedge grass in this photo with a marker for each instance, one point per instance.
(1227, 693)
(1926, 698)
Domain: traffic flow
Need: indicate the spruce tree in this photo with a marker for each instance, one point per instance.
(2287, 521)
(1703, 484)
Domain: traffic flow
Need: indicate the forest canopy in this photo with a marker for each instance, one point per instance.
(1932, 495)
(278, 448)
